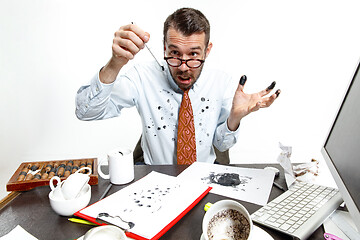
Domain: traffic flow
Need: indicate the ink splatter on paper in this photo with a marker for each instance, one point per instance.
(247, 184)
(150, 199)
(227, 179)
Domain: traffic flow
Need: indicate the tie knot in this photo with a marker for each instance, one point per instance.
(186, 91)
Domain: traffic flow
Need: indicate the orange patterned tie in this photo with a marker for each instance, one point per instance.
(186, 144)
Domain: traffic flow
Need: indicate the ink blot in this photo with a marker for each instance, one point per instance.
(159, 107)
(203, 99)
(226, 179)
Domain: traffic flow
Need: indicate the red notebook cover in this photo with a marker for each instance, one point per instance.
(163, 230)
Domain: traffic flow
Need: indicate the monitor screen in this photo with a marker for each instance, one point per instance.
(342, 148)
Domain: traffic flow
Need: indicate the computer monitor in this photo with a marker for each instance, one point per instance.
(341, 149)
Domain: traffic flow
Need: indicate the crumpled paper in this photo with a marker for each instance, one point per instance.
(305, 172)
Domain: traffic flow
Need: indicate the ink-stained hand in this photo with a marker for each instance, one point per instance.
(128, 41)
(244, 103)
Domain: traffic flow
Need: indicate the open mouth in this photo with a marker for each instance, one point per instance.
(184, 79)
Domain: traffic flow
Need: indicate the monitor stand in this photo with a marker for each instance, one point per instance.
(341, 225)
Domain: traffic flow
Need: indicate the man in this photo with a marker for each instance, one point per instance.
(157, 93)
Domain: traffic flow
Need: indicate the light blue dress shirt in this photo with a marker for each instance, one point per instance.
(157, 98)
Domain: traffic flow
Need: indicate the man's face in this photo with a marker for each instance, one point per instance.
(190, 47)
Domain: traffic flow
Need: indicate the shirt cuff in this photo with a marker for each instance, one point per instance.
(98, 87)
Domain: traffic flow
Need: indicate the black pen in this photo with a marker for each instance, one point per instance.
(161, 66)
(279, 186)
(106, 191)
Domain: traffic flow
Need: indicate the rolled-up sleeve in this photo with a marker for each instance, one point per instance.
(224, 138)
(97, 100)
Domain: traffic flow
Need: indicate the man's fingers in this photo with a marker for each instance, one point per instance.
(128, 41)
(144, 36)
(256, 107)
(121, 52)
(268, 89)
(266, 102)
(242, 83)
(127, 45)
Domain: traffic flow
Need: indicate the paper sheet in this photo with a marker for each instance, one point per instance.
(18, 233)
(150, 203)
(247, 184)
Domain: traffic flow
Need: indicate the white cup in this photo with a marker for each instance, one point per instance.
(72, 186)
(65, 207)
(107, 232)
(219, 224)
(121, 166)
(57, 191)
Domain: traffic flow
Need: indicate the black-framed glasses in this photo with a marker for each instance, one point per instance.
(191, 63)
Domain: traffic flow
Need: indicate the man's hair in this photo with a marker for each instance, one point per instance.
(188, 21)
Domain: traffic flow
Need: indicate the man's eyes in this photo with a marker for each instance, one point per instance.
(194, 54)
(175, 53)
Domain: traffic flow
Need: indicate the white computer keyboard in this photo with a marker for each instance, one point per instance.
(300, 210)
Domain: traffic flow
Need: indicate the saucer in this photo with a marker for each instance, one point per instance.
(257, 233)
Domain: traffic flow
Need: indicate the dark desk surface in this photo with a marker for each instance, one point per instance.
(31, 210)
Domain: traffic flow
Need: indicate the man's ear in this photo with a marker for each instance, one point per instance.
(208, 49)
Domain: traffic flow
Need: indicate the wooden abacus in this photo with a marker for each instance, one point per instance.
(34, 174)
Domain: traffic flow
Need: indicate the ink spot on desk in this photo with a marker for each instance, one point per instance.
(159, 128)
(159, 107)
(203, 99)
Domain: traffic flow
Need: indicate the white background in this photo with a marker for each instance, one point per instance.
(48, 49)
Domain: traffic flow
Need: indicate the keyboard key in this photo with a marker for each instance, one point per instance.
(285, 226)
